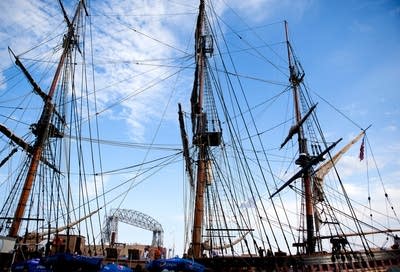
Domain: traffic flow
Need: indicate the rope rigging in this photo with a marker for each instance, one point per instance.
(254, 197)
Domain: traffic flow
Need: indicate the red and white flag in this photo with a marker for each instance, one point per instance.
(361, 156)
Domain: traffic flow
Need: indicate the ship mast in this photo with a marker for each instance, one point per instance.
(44, 124)
(203, 136)
(295, 79)
(201, 167)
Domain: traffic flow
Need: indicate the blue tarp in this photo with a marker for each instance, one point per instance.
(32, 265)
(115, 268)
(175, 264)
(72, 262)
(68, 258)
(61, 262)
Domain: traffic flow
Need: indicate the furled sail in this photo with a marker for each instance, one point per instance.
(324, 169)
(207, 246)
(60, 229)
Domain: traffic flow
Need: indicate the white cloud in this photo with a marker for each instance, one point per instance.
(120, 40)
(129, 45)
(355, 191)
(350, 165)
(391, 128)
(25, 23)
(126, 36)
(90, 187)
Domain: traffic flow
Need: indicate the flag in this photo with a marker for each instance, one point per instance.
(361, 156)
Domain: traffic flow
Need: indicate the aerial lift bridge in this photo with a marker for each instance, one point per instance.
(134, 218)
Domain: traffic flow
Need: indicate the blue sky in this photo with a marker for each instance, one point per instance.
(350, 51)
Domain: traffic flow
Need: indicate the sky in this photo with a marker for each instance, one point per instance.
(350, 51)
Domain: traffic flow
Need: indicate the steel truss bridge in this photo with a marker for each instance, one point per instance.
(134, 218)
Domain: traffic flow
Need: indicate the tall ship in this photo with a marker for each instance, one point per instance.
(263, 189)
(247, 216)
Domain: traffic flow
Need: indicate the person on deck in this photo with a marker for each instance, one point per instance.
(396, 242)
(261, 252)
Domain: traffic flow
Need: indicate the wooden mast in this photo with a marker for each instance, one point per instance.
(199, 132)
(43, 127)
(304, 158)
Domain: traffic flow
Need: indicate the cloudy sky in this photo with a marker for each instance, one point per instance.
(350, 51)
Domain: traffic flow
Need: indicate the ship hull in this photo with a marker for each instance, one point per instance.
(382, 260)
